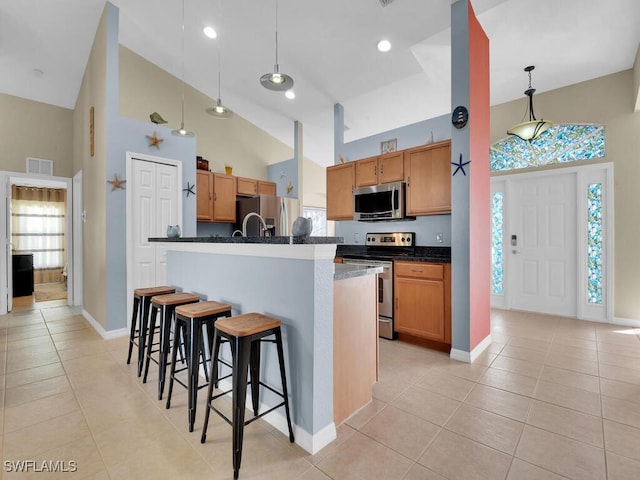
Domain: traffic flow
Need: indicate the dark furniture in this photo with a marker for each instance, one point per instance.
(22, 274)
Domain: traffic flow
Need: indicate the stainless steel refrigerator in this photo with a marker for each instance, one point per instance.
(277, 212)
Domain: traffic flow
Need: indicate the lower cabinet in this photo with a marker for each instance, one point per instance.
(423, 300)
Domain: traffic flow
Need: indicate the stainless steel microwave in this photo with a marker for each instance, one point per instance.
(379, 202)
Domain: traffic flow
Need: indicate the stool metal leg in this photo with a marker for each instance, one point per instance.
(284, 380)
(167, 315)
(241, 351)
(194, 340)
(134, 322)
(152, 327)
(144, 330)
(174, 352)
(212, 384)
(254, 369)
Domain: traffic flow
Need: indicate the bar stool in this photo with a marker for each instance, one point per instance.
(167, 305)
(245, 334)
(194, 317)
(139, 323)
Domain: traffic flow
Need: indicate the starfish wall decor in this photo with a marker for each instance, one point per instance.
(189, 189)
(116, 182)
(154, 140)
(460, 166)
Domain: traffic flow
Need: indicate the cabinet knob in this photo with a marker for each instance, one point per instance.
(209, 195)
(408, 181)
(215, 197)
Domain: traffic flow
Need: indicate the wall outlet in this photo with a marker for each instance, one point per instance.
(439, 237)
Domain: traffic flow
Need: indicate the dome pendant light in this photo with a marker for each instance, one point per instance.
(533, 128)
(182, 132)
(276, 81)
(219, 110)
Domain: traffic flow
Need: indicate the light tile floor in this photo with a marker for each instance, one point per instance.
(550, 398)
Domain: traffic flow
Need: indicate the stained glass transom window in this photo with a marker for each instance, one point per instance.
(559, 144)
(594, 243)
(496, 244)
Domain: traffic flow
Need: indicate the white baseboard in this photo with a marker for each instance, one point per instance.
(107, 335)
(311, 443)
(626, 322)
(469, 357)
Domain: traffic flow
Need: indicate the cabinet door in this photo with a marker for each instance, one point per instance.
(224, 198)
(204, 196)
(428, 176)
(367, 172)
(246, 187)
(340, 183)
(419, 307)
(266, 188)
(391, 168)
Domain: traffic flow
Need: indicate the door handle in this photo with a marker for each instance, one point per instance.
(514, 251)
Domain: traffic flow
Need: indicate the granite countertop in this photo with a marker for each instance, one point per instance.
(342, 271)
(266, 240)
(421, 254)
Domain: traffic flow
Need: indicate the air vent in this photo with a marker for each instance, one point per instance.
(40, 166)
(384, 3)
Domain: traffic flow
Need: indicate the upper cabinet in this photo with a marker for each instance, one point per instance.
(215, 197)
(340, 183)
(249, 187)
(425, 169)
(427, 172)
(380, 169)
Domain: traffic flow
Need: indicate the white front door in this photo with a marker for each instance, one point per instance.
(541, 242)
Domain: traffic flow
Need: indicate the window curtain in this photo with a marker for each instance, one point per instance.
(38, 224)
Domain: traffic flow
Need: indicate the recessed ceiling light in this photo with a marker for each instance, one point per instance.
(384, 45)
(290, 94)
(210, 32)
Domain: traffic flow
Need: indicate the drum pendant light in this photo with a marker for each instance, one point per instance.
(532, 129)
(182, 132)
(275, 80)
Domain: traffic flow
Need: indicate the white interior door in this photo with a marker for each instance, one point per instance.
(542, 244)
(155, 206)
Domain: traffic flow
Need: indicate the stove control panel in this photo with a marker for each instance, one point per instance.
(394, 239)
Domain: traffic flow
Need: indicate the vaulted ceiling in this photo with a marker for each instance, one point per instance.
(328, 47)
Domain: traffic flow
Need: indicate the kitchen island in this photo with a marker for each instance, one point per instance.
(292, 279)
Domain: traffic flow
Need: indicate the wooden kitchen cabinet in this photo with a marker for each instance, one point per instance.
(249, 187)
(380, 169)
(204, 196)
(266, 188)
(215, 197)
(423, 300)
(340, 183)
(427, 172)
(246, 187)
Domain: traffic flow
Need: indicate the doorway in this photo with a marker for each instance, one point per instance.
(552, 242)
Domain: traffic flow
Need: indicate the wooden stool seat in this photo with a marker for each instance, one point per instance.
(175, 298)
(153, 291)
(166, 305)
(202, 309)
(247, 324)
(140, 320)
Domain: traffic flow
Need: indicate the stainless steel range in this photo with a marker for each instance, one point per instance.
(381, 249)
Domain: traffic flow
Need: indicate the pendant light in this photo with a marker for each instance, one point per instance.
(275, 80)
(533, 128)
(182, 132)
(219, 110)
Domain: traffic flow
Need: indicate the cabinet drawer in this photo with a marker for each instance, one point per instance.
(419, 270)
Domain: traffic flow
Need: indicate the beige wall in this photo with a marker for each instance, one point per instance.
(636, 80)
(145, 88)
(314, 185)
(35, 129)
(93, 93)
(608, 101)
